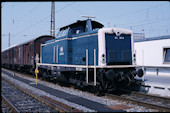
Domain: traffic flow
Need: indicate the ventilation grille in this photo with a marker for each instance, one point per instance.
(112, 56)
(126, 55)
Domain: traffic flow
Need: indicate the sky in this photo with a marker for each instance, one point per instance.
(23, 21)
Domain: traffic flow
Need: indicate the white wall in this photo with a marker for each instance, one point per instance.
(150, 53)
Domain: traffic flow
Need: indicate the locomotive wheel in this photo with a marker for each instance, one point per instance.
(110, 87)
(45, 75)
(78, 85)
(100, 91)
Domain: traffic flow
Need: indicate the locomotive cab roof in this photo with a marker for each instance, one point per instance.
(79, 27)
(84, 23)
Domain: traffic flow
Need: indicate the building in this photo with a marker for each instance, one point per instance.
(153, 54)
(137, 36)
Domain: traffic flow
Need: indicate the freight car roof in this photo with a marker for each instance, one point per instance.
(95, 24)
(27, 42)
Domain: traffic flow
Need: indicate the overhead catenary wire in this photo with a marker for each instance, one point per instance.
(148, 22)
(14, 34)
(13, 20)
(77, 10)
(147, 19)
(137, 11)
(44, 18)
(152, 22)
(30, 11)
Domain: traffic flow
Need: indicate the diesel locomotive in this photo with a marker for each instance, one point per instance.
(85, 53)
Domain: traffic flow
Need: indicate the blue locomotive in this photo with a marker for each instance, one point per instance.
(85, 53)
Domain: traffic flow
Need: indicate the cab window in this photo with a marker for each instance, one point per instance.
(77, 30)
(62, 32)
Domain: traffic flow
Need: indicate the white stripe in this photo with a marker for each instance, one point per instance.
(85, 66)
(54, 54)
(69, 39)
(84, 36)
(57, 55)
(47, 43)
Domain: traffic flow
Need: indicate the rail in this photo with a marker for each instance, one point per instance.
(139, 101)
(9, 104)
(51, 104)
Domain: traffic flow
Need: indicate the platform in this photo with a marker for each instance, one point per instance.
(154, 84)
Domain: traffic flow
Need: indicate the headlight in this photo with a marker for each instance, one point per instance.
(103, 60)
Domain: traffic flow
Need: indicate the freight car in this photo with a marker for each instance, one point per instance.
(22, 57)
(87, 54)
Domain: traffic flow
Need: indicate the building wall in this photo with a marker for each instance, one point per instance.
(149, 53)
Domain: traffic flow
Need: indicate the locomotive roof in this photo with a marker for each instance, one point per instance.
(95, 24)
(27, 42)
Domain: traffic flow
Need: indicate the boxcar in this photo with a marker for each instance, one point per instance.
(22, 57)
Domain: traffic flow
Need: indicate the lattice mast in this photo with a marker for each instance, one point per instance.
(52, 31)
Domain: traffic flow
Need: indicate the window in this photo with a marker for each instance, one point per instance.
(166, 55)
(63, 32)
(77, 30)
(60, 33)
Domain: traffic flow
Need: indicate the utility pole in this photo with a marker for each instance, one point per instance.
(131, 27)
(108, 24)
(52, 31)
(9, 41)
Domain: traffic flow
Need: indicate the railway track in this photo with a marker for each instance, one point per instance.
(7, 106)
(162, 104)
(20, 100)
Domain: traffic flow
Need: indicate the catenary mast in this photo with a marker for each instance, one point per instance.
(52, 31)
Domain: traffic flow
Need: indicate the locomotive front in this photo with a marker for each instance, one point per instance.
(117, 45)
(116, 58)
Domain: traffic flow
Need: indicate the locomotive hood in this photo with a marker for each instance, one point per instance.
(101, 41)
